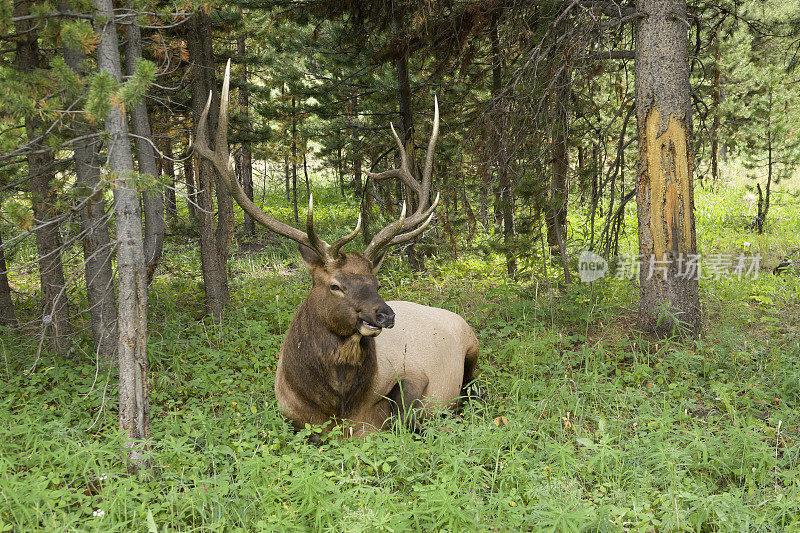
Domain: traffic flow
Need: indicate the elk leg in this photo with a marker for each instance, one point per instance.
(404, 398)
(470, 390)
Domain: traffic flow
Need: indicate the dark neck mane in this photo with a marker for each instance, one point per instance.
(330, 372)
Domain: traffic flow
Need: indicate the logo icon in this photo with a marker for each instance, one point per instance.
(591, 266)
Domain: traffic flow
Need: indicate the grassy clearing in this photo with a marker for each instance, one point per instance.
(587, 427)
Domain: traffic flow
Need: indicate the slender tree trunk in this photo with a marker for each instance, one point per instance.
(340, 166)
(215, 235)
(245, 158)
(483, 198)
(168, 168)
(559, 189)
(286, 173)
(41, 162)
(501, 154)
(355, 149)
(191, 192)
(665, 195)
(134, 405)
(97, 249)
(716, 93)
(294, 160)
(473, 224)
(7, 316)
(596, 180)
(763, 199)
(415, 260)
(305, 172)
(152, 199)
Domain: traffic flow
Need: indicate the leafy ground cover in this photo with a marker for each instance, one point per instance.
(587, 425)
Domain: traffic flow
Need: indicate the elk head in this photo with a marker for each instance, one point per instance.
(345, 287)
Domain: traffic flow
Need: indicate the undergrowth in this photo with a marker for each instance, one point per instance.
(587, 424)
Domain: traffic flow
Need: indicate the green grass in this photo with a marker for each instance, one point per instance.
(588, 425)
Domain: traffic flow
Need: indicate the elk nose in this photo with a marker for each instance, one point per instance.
(384, 316)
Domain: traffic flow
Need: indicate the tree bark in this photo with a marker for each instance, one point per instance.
(355, 149)
(168, 168)
(215, 239)
(559, 186)
(669, 300)
(245, 158)
(286, 174)
(763, 199)
(7, 316)
(41, 162)
(305, 171)
(152, 198)
(191, 191)
(716, 93)
(294, 160)
(97, 248)
(415, 260)
(501, 154)
(134, 405)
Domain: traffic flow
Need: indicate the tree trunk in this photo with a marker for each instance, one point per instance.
(168, 168)
(501, 154)
(340, 165)
(415, 260)
(191, 192)
(245, 158)
(134, 406)
(152, 199)
(55, 308)
(286, 174)
(294, 160)
(716, 93)
(305, 172)
(669, 298)
(215, 239)
(763, 199)
(97, 249)
(7, 316)
(355, 150)
(556, 216)
(559, 188)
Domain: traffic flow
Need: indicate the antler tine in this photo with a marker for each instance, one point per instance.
(428, 170)
(403, 237)
(422, 216)
(402, 173)
(384, 236)
(200, 143)
(337, 244)
(322, 248)
(220, 158)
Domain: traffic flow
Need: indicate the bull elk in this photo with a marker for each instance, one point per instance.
(350, 357)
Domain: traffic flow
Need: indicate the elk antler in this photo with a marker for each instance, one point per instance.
(220, 157)
(406, 228)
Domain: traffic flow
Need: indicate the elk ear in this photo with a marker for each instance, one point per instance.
(310, 257)
(376, 264)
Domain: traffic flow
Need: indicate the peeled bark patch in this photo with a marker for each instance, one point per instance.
(668, 178)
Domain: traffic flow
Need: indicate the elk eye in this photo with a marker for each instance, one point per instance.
(336, 288)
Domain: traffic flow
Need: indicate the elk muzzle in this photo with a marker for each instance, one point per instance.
(371, 323)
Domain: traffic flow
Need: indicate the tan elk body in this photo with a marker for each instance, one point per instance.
(350, 357)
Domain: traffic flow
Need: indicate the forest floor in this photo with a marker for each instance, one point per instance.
(587, 425)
